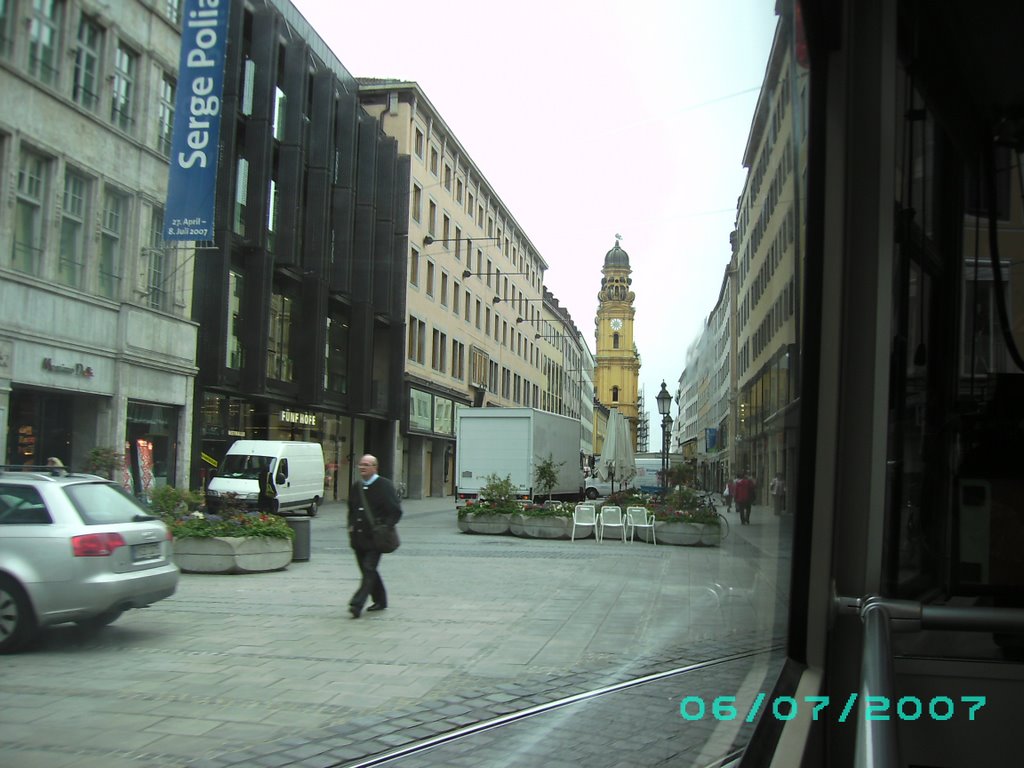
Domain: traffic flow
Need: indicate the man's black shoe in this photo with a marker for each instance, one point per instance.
(355, 611)
(376, 607)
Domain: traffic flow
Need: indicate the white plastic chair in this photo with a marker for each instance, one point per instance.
(639, 517)
(611, 517)
(585, 515)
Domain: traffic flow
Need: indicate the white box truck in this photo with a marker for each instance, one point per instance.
(512, 442)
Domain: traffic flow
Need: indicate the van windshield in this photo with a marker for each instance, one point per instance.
(240, 467)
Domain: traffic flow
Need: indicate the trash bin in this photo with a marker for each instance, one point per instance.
(300, 544)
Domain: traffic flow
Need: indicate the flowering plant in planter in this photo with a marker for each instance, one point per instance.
(684, 505)
(182, 513)
(229, 523)
(497, 497)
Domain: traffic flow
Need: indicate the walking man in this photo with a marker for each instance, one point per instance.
(744, 494)
(378, 494)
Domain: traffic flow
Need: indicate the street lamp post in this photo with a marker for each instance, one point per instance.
(664, 406)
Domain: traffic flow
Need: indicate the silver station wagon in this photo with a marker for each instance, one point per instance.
(75, 547)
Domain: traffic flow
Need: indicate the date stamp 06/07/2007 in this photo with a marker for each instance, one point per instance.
(724, 708)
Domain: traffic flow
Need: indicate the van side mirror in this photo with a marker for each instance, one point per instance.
(281, 477)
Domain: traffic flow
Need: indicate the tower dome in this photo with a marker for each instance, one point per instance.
(616, 257)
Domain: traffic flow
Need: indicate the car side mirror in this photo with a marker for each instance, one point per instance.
(281, 477)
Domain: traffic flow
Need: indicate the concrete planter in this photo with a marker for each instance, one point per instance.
(685, 534)
(530, 527)
(234, 554)
(488, 522)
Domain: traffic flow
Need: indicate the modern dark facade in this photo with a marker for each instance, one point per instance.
(300, 299)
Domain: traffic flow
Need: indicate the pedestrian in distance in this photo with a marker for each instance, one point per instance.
(727, 495)
(266, 499)
(744, 495)
(56, 466)
(777, 488)
(373, 499)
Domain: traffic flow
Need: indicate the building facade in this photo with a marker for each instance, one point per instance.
(617, 370)
(97, 343)
(768, 268)
(300, 297)
(482, 331)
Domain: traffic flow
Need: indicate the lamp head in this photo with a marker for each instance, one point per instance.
(664, 400)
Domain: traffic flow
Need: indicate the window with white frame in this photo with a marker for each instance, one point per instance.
(172, 9)
(6, 22)
(112, 230)
(417, 340)
(458, 360)
(158, 271)
(418, 143)
(88, 55)
(122, 103)
(33, 170)
(414, 267)
(165, 113)
(430, 278)
(417, 202)
(44, 40)
(439, 351)
(71, 259)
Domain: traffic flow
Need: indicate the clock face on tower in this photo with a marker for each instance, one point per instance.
(616, 324)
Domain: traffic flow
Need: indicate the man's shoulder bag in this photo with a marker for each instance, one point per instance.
(385, 537)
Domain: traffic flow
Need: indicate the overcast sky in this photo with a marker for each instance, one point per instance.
(590, 119)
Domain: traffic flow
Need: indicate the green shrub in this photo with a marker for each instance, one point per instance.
(546, 474)
(167, 501)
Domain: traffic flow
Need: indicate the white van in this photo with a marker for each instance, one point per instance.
(297, 474)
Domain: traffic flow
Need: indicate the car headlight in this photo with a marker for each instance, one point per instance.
(212, 494)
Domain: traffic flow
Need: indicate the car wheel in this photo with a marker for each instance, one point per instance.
(313, 508)
(100, 621)
(591, 493)
(17, 622)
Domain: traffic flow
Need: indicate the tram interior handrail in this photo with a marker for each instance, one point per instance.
(877, 744)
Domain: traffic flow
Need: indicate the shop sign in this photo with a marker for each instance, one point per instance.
(77, 369)
(420, 410)
(298, 417)
(443, 421)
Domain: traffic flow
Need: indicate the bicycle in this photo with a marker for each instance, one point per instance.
(708, 504)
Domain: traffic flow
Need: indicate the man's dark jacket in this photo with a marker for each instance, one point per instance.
(384, 503)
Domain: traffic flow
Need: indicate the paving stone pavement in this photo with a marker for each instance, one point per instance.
(269, 670)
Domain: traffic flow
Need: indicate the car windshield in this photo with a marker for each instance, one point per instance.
(104, 503)
(240, 467)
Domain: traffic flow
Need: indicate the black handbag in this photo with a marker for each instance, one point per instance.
(385, 537)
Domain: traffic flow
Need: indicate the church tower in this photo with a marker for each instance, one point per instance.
(617, 370)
